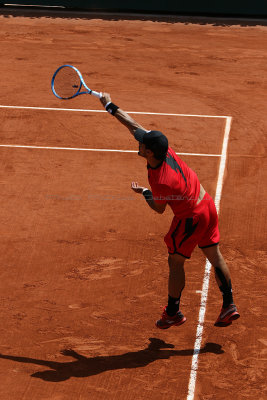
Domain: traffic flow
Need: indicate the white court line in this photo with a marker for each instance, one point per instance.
(104, 111)
(65, 148)
(205, 285)
(103, 150)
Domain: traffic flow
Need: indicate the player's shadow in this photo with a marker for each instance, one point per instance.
(84, 367)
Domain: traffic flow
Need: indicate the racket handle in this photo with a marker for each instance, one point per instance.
(96, 94)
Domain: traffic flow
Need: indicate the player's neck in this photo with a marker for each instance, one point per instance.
(153, 162)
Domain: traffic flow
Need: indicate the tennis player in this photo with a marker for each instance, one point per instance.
(195, 220)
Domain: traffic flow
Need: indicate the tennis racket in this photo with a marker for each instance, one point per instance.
(67, 83)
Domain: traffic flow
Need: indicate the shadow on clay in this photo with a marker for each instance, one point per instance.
(214, 19)
(84, 367)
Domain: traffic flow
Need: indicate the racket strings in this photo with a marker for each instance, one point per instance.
(67, 83)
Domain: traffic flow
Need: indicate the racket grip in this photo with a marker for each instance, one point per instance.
(96, 94)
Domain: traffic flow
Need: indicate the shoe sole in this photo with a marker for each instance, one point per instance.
(222, 324)
(229, 320)
(169, 326)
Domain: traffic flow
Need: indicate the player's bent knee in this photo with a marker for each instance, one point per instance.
(211, 252)
(214, 255)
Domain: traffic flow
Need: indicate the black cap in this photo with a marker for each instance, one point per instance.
(154, 140)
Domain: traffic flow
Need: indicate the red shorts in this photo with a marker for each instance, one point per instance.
(201, 229)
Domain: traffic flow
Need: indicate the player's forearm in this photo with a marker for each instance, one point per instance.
(159, 208)
(154, 206)
(148, 195)
(127, 121)
(117, 112)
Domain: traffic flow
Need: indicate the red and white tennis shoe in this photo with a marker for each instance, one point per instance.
(227, 315)
(166, 321)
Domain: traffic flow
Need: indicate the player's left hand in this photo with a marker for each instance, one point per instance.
(136, 188)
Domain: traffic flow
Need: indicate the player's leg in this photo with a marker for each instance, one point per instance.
(223, 279)
(182, 238)
(171, 314)
(222, 273)
(176, 275)
(209, 243)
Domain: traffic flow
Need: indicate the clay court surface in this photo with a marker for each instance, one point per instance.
(83, 263)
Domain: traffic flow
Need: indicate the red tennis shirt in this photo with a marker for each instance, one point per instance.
(174, 183)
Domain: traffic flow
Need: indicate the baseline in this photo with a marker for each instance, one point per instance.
(104, 111)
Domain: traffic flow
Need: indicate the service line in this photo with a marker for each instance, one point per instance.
(96, 150)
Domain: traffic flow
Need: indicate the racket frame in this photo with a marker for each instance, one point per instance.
(82, 83)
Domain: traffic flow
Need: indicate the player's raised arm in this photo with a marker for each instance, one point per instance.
(121, 115)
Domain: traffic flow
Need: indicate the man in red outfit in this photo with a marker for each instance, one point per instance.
(195, 220)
